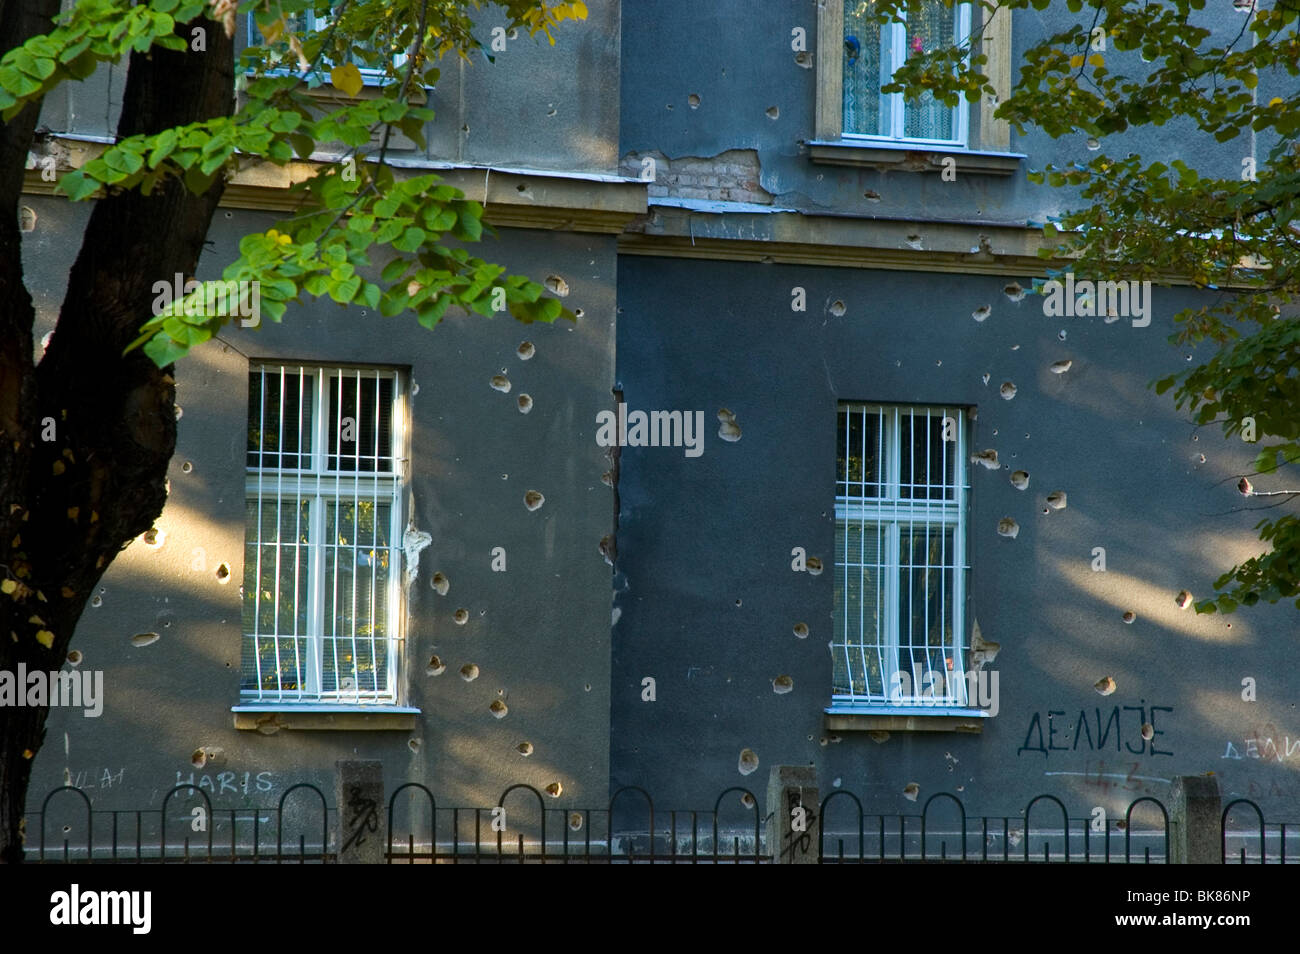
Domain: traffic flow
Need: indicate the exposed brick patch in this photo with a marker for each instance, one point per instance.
(731, 176)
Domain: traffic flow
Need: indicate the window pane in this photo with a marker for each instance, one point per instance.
(929, 26)
(279, 418)
(866, 68)
(859, 452)
(927, 462)
(859, 588)
(361, 422)
(358, 561)
(927, 557)
(277, 585)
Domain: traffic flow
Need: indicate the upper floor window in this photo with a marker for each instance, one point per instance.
(321, 617)
(900, 547)
(872, 52)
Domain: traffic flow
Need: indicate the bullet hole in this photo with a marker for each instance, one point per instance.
(533, 500)
(607, 478)
(982, 312)
(524, 748)
(1105, 686)
(1061, 334)
(1060, 367)
(911, 790)
(187, 468)
(837, 308)
(747, 800)
(804, 59)
(74, 657)
(1245, 487)
(1020, 479)
(1092, 144)
(461, 616)
(498, 709)
(1008, 390)
(748, 762)
(1148, 731)
(199, 758)
(500, 383)
(871, 195)
(1200, 458)
(144, 639)
(505, 476)
(782, 684)
(436, 666)
(801, 630)
(525, 403)
(823, 741)
(96, 601)
(814, 565)
(26, 219)
(153, 538)
(693, 101)
(914, 241)
(578, 313)
(587, 687)
(1014, 291)
(440, 584)
(223, 573)
(557, 286)
(1196, 437)
(1183, 599)
(939, 363)
(575, 821)
(986, 458)
(1188, 357)
(1129, 617)
(728, 429)
(526, 350)
(413, 745)
(469, 672)
(1008, 528)
(555, 789)
(179, 411)
(1056, 500)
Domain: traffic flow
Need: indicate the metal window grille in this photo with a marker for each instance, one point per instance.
(900, 546)
(321, 592)
(873, 51)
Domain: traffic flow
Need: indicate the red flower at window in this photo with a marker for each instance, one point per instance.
(918, 45)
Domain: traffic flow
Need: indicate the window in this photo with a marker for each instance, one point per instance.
(900, 545)
(871, 54)
(321, 613)
(371, 64)
(857, 125)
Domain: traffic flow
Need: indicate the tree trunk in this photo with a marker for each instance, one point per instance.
(88, 432)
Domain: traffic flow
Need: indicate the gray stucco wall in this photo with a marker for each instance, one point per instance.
(707, 599)
(538, 631)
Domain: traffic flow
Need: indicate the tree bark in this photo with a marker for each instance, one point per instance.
(71, 503)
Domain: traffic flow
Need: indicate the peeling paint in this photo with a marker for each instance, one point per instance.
(413, 542)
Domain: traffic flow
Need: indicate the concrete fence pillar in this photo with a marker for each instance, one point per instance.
(362, 835)
(793, 820)
(1195, 821)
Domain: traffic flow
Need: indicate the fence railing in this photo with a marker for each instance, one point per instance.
(301, 827)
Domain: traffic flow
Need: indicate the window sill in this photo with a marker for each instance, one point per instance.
(905, 719)
(269, 719)
(912, 157)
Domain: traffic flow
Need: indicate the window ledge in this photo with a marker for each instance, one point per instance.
(905, 719)
(912, 157)
(269, 719)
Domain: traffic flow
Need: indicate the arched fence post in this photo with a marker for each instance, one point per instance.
(793, 826)
(363, 828)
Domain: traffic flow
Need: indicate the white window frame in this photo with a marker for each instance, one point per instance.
(892, 57)
(369, 75)
(893, 511)
(320, 486)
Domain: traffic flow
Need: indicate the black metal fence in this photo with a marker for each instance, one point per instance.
(301, 829)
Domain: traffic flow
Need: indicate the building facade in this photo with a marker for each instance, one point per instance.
(815, 479)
